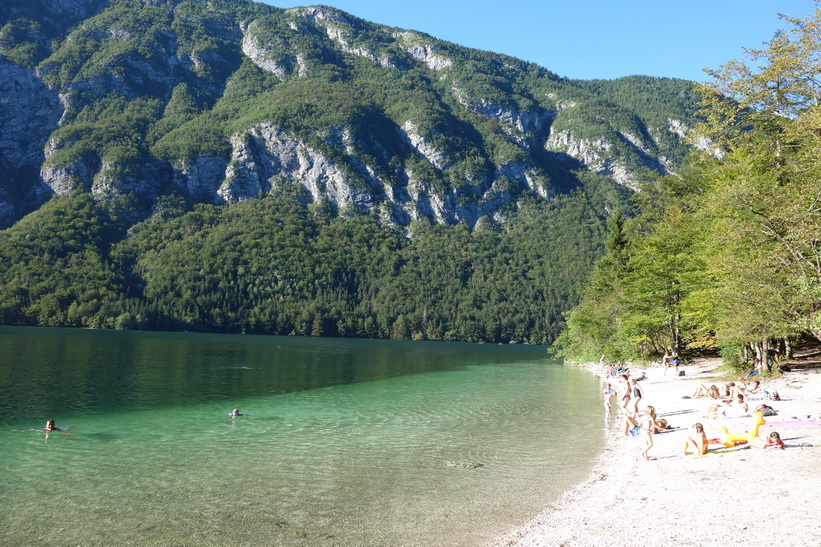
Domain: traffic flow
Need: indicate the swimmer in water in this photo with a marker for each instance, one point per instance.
(235, 413)
(50, 426)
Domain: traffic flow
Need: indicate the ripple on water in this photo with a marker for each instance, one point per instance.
(443, 458)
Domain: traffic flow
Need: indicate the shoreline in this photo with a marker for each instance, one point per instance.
(741, 493)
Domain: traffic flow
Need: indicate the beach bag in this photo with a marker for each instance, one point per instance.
(765, 410)
(681, 373)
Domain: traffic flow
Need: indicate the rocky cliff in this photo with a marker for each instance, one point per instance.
(224, 101)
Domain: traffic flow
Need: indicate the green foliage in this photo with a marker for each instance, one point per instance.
(726, 253)
(152, 86)
(52, 270)
(271, 266)
(23, 42)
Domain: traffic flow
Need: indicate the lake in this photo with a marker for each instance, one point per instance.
(341, 442)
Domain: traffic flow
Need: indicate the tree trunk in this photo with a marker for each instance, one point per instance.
(759, 354)
(765, 355)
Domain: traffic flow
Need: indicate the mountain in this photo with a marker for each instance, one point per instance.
(227, 165)
(222, 101)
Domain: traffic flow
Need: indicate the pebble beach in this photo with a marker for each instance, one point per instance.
(747, 494)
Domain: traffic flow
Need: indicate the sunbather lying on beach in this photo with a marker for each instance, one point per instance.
(709, 392)
(633, 426)
(736, 409)
(773, 440)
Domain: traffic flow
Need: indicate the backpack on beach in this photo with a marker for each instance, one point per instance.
(766, 410)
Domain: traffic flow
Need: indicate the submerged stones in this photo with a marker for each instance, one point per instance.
(464, 464)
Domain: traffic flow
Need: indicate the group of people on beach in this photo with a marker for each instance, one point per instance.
(729, 402)
(645, 424)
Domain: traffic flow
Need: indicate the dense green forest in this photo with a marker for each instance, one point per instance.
(277, 266)
(230, 166)
(726, 253)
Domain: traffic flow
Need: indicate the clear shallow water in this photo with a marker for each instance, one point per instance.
(344, 442)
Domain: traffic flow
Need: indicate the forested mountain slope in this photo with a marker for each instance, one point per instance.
(128, 122)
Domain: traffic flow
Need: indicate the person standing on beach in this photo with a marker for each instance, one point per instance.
(625, 398)
(674, 361)
(772, 359)
(647, 424)
(665, 361)
(636, 397)
(609, 394)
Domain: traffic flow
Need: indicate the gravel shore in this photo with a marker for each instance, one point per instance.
(742, 494)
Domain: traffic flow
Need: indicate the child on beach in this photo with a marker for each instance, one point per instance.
(698, 440)
(773, 440)
(648, 426)
(625, 398)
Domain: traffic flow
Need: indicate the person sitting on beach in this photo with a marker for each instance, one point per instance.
(632, 426)
(698, 440)
(755, 392)
(738, 408)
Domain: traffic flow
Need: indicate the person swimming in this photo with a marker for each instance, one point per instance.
(50, 426)
(234, 413)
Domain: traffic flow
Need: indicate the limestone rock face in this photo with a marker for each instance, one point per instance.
(210, 101)
(29, 112)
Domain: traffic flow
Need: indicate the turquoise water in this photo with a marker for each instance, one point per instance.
(342, 443)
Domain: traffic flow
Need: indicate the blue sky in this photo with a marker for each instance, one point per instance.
(588, 39)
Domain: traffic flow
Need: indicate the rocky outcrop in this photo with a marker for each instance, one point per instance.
(201, 178)
(601, 156)
(29, 112)
(442, 132)
(424, 147)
